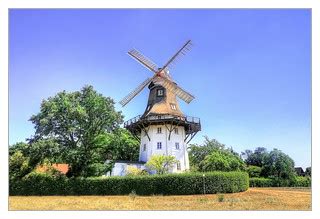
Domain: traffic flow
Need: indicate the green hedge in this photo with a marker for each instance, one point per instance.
(298, 181)
(171, 184)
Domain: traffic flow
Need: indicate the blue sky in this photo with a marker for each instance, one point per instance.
(250, 70)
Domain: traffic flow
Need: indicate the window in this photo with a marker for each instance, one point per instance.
(144, 147)
(177, 146)
(178, 165)
(159, 130)
(159, 145)
(173, 106)
(176, 131)
(160, 92)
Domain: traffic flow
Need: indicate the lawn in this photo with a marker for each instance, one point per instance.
(252, 199)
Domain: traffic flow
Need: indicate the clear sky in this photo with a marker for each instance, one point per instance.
(250, 70)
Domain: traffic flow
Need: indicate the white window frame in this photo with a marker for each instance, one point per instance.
(173, 106)
(159, 128)
(160, 93)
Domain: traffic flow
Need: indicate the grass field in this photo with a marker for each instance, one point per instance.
(253, 199)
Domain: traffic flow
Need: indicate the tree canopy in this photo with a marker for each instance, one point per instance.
(80, 128)
(161, 163)
(214, 156)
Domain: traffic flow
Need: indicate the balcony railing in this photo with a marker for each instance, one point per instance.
(188, 119)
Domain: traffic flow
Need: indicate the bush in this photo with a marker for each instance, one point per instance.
(261, 182)
(167, 184)
(298, 181)
(253, 171)
(134, 171)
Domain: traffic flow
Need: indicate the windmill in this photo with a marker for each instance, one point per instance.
(162, 128)
(161, 75)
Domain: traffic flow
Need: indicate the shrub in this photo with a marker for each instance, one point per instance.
(253, 171)
(166, 184)
(297, 181)
(261, 182)
(134, 171)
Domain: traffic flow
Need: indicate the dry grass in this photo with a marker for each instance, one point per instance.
(253, 199)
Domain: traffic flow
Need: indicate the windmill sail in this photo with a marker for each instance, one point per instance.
(146, 62)
(182, 94)
(135, 92)
(184, 49)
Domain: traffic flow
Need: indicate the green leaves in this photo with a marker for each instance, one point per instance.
(161, 163)
(166, 184)
(75, 120)
(214, 156)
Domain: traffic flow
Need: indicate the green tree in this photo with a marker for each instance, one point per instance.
(220, 160)
(197, 153)
(253, 171)
(18, 165)
(255, 158)
(308, 171)
(277, 164)
(213, 155)
(74, 120)
(161, 163)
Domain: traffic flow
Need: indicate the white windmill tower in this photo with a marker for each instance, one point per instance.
(163, 128)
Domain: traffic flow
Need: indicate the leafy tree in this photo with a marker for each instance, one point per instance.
(308, 171)
(161, 163)
(19, 146)
(220, 160)
(212, 155)
(74, 120)
(253, 171)
(134, 171)
(118, 145)
(197, 153)
(18, 165)
(255, 158)
(34, 153)
(277, 164)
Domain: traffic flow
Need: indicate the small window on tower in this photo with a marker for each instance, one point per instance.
(160, 92)
(159, 145)
(173, 106)
(159, 130)
(177, 146)
(178, 165)
(144, 147)
(176, 131)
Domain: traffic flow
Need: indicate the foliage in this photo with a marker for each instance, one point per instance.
(297, 181)
(253, 171)
(221, 161)
(255, 158)
(214, 156)
(36, 153)
(134, 171)
(74, 120)
(18, 165)
(277, 164)
(161, 163)
(261, 182)
(166, 184)
(118, 145)
(308, 171)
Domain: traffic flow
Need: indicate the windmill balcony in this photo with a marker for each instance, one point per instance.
(191, 124)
